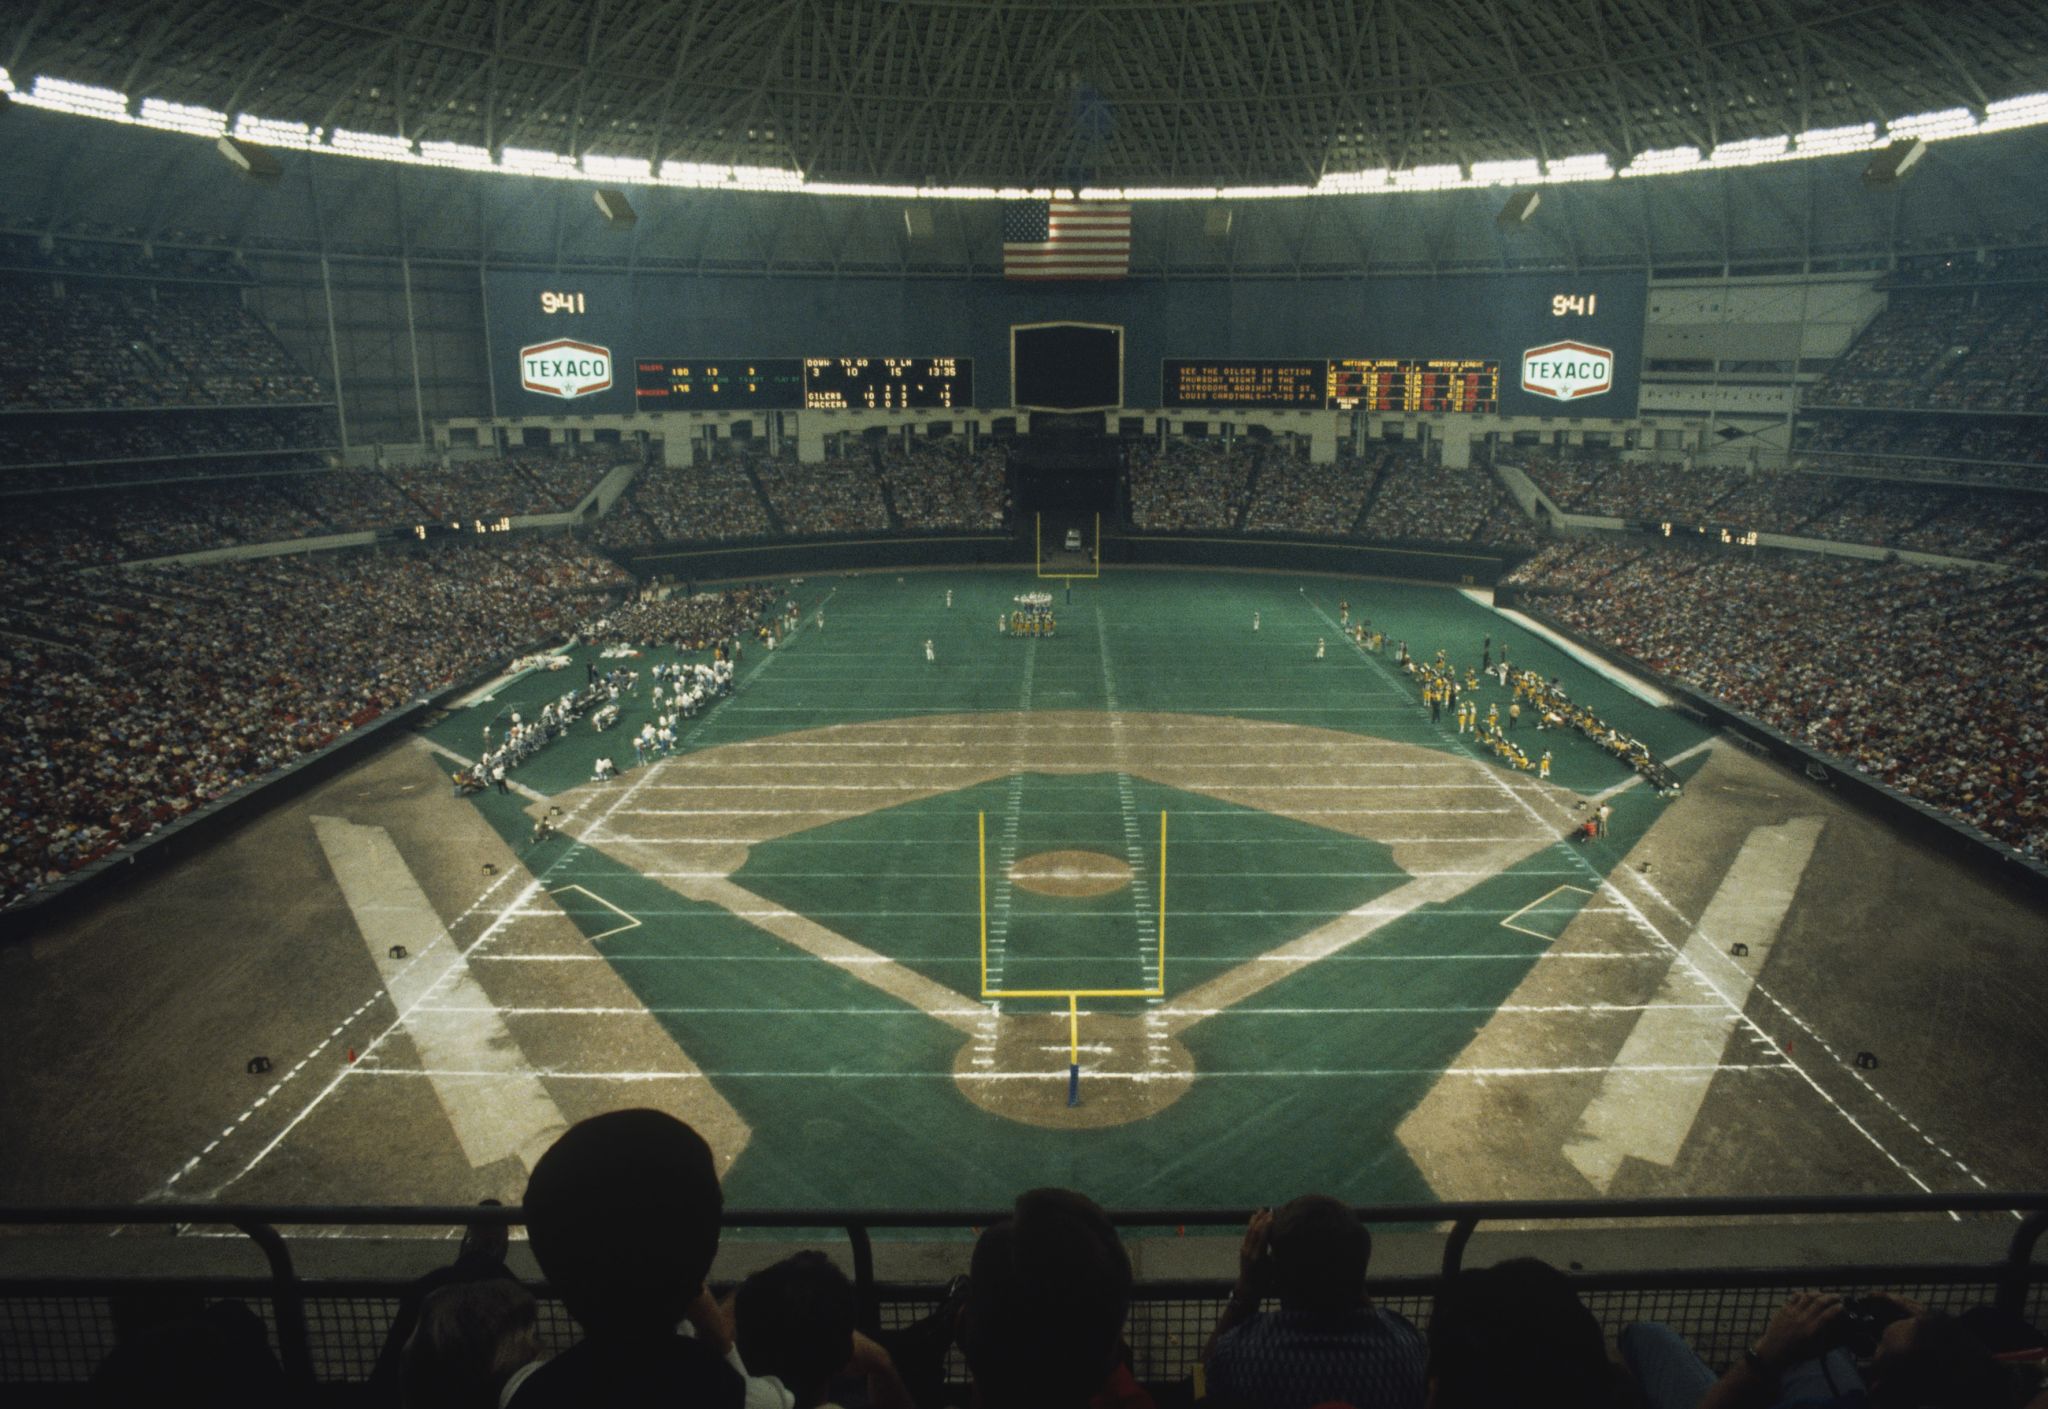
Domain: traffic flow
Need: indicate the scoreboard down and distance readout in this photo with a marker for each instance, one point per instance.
(887, 383)
(1345, 384)
(802, 383)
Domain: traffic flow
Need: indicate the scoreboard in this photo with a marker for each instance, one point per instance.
(801, 383)
(887, 383)
(1342, 384)
(718, 384)
(1397, 384)
(1297, 386)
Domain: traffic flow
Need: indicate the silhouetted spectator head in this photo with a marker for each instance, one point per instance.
(795, 1321)
(1516, 1334)
(220, 1356)
(1319, 1253)
(1932, 1361)
(623, 1214)
(470, 1338)
(1045, 1311)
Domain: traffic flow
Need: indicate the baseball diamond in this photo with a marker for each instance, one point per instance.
(1357, 947)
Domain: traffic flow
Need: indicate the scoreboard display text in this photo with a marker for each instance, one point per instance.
(887, 383)
(802, 383)
(718, 383)
(1341, 384)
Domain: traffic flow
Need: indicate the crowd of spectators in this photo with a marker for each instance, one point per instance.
(624, 1214)
(1190, 483)
(1976, 349)
(1199, 484)
(1418, 502)
(137, 694)
(840, 494)
(124, 254)
(192, 515)
(1981, 524)
(1934, 681)
(89, 438)
(98, 343)
(509, 485)
(662, 616)
(685, 504)
(1297, 496)
(2009, 450)
(930, 485)
(942, 485)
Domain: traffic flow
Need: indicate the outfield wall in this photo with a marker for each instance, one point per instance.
(1457, 568)
(718, 562)
(1920, 822)
(711, 563)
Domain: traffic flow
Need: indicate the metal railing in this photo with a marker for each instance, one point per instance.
(55, 1328)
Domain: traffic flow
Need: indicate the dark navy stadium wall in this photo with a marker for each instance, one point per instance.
(733, 316)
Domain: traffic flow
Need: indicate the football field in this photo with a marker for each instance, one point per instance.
(1362, 938)
(1163, 906)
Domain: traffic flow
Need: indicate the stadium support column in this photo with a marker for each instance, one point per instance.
(810, 438)
(1456, 439)
(334, 351)
(1322, 441)
(483, 293)
(412, 337)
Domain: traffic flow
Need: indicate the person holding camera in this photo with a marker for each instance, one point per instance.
(1821, 1349)
(1327, 1342)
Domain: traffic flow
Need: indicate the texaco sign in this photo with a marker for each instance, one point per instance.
(565, 368)
(1566, 371)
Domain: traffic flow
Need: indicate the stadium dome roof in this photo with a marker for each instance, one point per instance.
(1055, 92)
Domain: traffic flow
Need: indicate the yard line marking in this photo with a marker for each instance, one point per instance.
(973, 1010)
(1674, 1070)
(1278, 960)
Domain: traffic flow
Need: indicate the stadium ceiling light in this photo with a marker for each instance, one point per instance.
(1932, 127)
(373, 145)
(2028, 110)
(629, 171)
(1663, 161)
(78, 99)
(1506, 173)
(1825, 141)
(109, 105)
(269, 132)
(1756, 151)
(1429, 178)
(1592, 166)
(1345, 183)
(459, 155)
(177, 117)
(529, 162)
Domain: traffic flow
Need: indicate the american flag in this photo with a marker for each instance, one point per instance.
(1066, 239)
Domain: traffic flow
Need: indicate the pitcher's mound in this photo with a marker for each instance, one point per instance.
(1071, 873)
